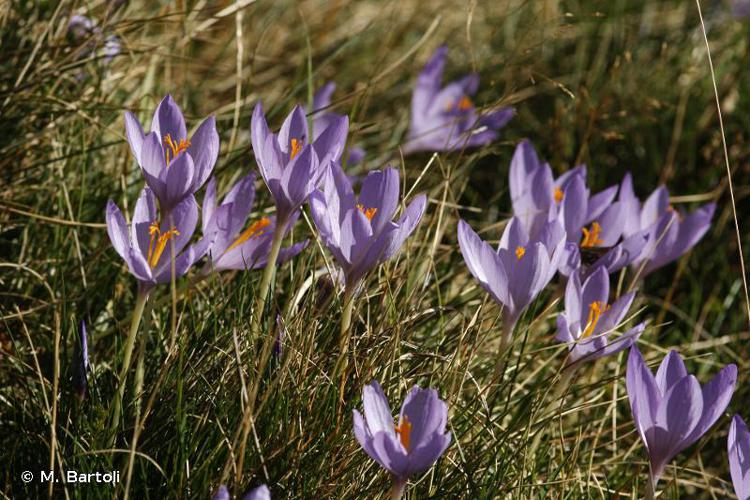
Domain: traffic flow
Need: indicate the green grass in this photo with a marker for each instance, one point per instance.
(619, 85)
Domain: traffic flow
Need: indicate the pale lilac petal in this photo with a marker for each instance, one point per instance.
(204, 150)
(134, 134)
(671, 371)
(168, 120)
(377, 411)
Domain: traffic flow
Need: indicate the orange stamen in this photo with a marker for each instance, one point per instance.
(369, 212)
(296, 148)
(463, 104)
(595, 312)
(253, 231)
(591, 237)
(154, 253)
(174, 147)
(520, 252)
(403, 429)
(558, 194)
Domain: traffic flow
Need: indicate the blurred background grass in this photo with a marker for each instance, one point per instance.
(619, 85)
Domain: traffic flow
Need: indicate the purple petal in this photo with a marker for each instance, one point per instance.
(294, 127)
(168, 120)
(427, 414)
(221, 493)
(671, 371)
(377, 411)
(380, 190)
(117, 230)
(134, 134)
(179, 180)
(716, 396)
(330, 143)
(406, 225)
(204, 150)
(738, 443)
(260, 493)
(643, 393)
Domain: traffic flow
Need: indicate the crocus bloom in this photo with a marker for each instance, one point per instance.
(323, 118)
(415, 443)
(738, 443)
(359, 231)
(671, 411)
(589, 318)
(671, 233)
(233, 247)
(259, 493)
(593, 223)
(518, 270)
(81, 363)
(148, 247)
(290, 165)
(174, 165)
(445, 119)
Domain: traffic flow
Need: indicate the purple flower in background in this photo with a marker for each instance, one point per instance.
(444, 118)
(259, 493)
(415, 443)
(518, 270)
(233, 247)
(81, 27)
(741, 8)
(589, 318)
(360, 232)
(174, 165)
(738, 443)
(322, 119)
(81, 363)
(148, 247)
(290, 165)
(671, 233)
(671, 411)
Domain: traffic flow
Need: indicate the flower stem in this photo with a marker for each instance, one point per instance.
(268, 341)
(650, 489)
(397, 489)
(265, 282)
(506, 338)
(140, 304)
(344, 337)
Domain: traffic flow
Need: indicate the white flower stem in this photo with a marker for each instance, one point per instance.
(397, 489)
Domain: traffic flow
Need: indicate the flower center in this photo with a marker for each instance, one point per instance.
(462, 104)
(558, 194)
(369, 212)
(595, 312)
(158, 242)
(174, 147)
(403, 429)
(520, 252)
(255, 230)
(591, 236)
(296, 148)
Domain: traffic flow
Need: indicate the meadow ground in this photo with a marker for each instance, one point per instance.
(620, 85)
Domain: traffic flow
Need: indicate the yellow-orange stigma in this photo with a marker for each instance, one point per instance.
(520, 252)
(296, 148)
(174, 147)
(369, 212)
(595, 312)
(463, 104)
(591, 236)
(403, 429)
(558, 194)
(158, 243)
(253, 231)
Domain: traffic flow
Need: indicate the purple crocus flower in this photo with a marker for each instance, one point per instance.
(147, 249)
(412, 446)
(444, 118)
(359, 231)
(589, 318)
(234, 248)
(323, 118)
(593, 223)
(174, 165)
(260, 493)
(671, 411)
(290, 165)
(518, 270)
(671, 233)
(738, 443)
(81, 369)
